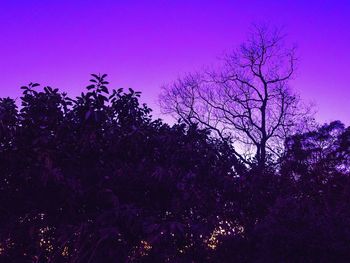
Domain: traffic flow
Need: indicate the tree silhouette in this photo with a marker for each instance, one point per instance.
(301, 213)
(248, 99)
(95, 179)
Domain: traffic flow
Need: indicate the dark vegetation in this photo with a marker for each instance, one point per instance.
(96, 179)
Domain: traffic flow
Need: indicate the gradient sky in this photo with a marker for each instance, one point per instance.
(144, 44)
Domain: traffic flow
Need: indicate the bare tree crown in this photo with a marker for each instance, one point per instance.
(247, 99)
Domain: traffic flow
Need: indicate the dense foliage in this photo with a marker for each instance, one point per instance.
(96, 179)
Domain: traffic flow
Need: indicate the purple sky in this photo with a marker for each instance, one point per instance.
(143, 44)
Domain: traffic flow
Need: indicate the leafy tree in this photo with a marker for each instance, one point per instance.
(95, 179)
(304, 213)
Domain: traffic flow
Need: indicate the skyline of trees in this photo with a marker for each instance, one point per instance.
(96, 179)
(245, 175)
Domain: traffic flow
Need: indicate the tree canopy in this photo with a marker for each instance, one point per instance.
(96, 179)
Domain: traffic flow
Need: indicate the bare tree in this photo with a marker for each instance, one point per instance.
(247, 100)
